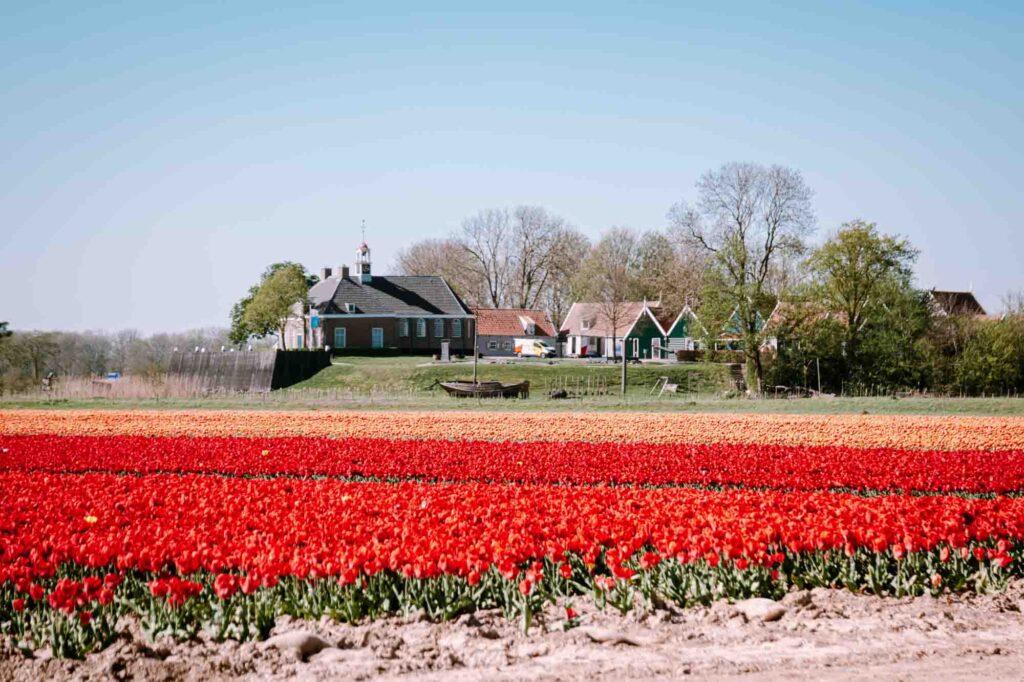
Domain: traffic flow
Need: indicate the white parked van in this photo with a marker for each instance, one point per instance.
(532, 348)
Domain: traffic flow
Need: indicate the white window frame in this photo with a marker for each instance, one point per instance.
(636, 347)
(439, 328)
(492, 345)
(403, 327)
(344, 337)
(421, 328)
(456, 328)
(656, 347)
(506, 345)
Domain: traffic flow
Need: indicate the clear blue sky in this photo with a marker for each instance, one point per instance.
(153, 161)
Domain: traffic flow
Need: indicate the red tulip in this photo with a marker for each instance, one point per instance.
(225, 585)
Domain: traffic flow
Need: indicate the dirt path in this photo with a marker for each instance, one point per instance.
(816, 634)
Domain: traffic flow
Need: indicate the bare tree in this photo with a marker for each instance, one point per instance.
(517, 253)
(447, 258)
(1013, 303)
(608, 278)
(542, 247)
(523, 257)
(748, 218)
(557, 294)
(124, 345)
(485, 237)
(82, 353)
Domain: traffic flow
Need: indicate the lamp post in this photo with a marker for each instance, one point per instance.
(476, 351)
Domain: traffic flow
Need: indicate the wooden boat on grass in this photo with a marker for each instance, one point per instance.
(486, 389)
(473, 388)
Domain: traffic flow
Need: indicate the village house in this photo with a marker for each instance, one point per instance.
(800, 316)
(956, 303)
(685, 332)
(601, 330)
(498, 329)
(731, 335)
(795, 316)
(355, 310)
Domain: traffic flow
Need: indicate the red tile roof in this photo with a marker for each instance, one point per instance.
(512, 322)
(801, 314)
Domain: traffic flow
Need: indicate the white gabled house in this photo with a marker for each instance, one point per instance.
(588, 331)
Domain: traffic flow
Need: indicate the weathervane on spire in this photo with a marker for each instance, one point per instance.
(363, 229)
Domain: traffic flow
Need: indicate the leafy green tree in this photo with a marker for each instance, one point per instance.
(35, 351)
(280, 297)
(855, 271)
(809, 351)
(241, 330)
(894, 348)
(992, 360)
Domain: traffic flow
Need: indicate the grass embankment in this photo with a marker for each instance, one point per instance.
(314, 400)
(363, 383)
(405, 374)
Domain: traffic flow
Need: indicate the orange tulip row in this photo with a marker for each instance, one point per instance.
(859, 431)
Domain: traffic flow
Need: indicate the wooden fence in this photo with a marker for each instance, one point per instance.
(255, 372)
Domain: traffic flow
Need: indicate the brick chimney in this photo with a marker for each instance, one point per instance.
(324, 273)
(343, 271)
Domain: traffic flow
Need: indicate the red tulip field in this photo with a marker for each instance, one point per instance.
(223, 522)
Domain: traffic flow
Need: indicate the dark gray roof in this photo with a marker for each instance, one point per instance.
(957, 302)
(389, 295)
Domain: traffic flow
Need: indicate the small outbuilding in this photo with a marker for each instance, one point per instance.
(510, 332)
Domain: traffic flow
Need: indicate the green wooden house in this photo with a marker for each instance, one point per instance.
(731, 336)
(645, 339)
(685, 332)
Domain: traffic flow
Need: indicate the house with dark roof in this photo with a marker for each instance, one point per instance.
(955, 303)
(498, 330)
(356, 310)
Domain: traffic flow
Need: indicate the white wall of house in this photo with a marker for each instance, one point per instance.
(604, 345)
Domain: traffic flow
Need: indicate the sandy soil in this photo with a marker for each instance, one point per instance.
(809, 635)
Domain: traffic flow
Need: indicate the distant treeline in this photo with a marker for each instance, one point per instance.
(28, 357)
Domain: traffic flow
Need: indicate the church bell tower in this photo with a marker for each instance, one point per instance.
(363, 260)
